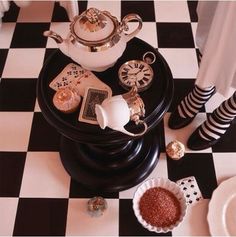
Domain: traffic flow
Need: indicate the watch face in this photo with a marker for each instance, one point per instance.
(135, 72)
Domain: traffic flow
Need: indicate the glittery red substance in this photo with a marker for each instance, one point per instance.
(159, 207)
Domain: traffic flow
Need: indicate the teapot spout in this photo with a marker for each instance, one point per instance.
(53, 35)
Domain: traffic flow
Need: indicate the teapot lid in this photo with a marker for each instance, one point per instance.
(93, 25)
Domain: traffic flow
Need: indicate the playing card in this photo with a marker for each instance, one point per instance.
(89, 80)
(191, 190)
(67, 77)
(78, 79)
(92, 97)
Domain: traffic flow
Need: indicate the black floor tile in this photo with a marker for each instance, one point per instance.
(175, 35)
(59, 14)
(79, 191)
(129, 225)
(145, 9)
(41, 217)
(12, 14)
(43, 136)
(181, 88)
(83, 6)
(11, 172)
(194, 164)
(192, 7)
(17, 94)
(3, 57)
(29, 35)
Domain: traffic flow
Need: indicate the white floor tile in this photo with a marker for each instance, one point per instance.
(182, 62)
(195, 221)
(80, 223)
(44, 176)
(159, 171)
(225, 164)
(8, 207)
(6, 33)
(194, 29)
(148, 33)
(32, 13)
(36, 107)
(23, 63)
(171, 11)
(183, 134)
(15, 130)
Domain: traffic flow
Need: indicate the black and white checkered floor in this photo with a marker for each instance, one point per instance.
(37, 196)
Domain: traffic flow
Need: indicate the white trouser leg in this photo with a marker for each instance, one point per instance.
(71, 7)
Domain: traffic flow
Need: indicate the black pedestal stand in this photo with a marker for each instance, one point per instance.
(108, 160)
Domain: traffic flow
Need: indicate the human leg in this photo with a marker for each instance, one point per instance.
(209, 132)
(190, 106)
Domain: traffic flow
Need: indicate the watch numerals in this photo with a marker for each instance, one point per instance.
(130, 66)
(146, 70)
(124, 73)
(146, 79)
(126, 69)
(136, 65)
(141, 66)
(147, 74)
(125, 78)
(141, 83)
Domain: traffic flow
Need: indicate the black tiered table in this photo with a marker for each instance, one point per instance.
(108, 160)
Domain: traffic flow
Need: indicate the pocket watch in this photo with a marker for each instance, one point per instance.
(137, 73)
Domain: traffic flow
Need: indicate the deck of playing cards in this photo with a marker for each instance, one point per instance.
(92, 97)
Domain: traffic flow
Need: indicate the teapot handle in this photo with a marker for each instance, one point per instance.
(135, 134)
(128, 18)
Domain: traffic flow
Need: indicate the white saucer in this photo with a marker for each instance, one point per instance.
(222, 209)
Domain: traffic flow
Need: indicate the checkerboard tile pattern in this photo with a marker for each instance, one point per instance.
(37, 196)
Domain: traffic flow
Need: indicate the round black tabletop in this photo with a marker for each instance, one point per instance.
(109, 160)
(156, 99)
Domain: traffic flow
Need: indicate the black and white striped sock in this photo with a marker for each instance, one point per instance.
(220, 119)
(193, 102)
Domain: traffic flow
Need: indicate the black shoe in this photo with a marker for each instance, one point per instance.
(176, 121)
(196, 142)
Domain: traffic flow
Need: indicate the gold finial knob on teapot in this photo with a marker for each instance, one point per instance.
(93, 20)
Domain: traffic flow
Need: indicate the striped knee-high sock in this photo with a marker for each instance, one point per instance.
(220, 119)
(194, 101)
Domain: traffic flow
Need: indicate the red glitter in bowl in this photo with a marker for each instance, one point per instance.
(159, 207)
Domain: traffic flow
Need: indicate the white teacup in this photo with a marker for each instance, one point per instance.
(117, 111)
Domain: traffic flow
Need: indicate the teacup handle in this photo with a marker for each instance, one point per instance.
(128, 18)
(135, 134)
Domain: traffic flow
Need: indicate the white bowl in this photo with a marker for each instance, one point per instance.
(162, 183)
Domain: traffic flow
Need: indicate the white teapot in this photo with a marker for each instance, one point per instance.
(96, 39)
